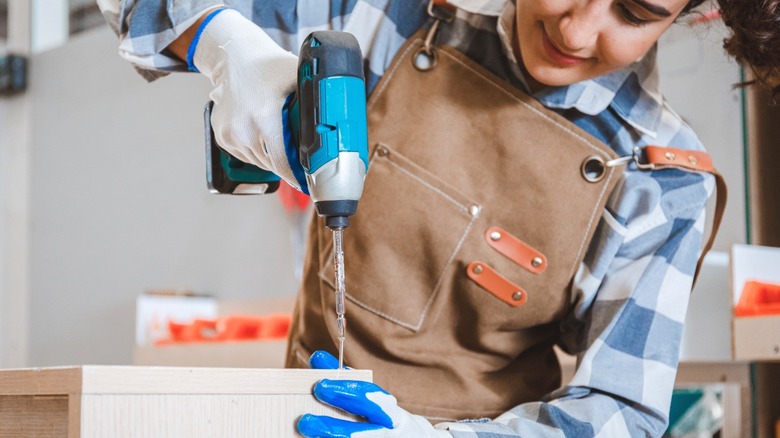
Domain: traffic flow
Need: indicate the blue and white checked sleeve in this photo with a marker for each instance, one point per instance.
(146, 27)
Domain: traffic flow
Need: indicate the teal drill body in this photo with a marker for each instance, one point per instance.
(327, 127)
(331, 137)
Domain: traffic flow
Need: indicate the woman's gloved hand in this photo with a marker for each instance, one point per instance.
(384, 418)
(252, 77)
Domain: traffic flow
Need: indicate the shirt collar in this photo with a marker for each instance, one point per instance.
(632, 92)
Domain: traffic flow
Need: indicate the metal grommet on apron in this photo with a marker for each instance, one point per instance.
(425, 57)
(593, 168)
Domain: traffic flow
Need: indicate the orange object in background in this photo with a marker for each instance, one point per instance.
(759, 299)
(228, 328)
(292, 199)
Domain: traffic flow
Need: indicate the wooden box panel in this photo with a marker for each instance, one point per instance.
(102, 401)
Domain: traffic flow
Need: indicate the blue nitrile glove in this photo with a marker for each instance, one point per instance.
(385, 419)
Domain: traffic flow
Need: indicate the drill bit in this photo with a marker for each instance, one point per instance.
(338, 264)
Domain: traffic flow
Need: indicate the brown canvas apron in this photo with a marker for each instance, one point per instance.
(474, 218)
(477, 211)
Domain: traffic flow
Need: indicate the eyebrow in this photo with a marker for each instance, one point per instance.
(655, 9)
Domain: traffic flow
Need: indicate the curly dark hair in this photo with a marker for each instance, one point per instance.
(755, 37)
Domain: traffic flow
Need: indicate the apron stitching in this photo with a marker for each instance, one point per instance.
(360, 303)
(384, 315)
(502, 90)
(425, 183)
(582, 139)
(447, 265)
(579, 137)
(389, 75)
(395, 67)
(435, 288)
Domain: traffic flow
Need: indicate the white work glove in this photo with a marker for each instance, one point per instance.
(252, 77)
(384, 418)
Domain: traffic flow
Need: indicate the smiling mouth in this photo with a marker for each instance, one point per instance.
(557, 55)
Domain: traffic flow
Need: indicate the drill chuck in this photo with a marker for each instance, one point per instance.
(336, 187)
(336, 213)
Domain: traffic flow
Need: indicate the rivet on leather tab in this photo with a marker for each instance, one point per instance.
(516, 250)
(669, 156)
(474, 210)
(490, 280)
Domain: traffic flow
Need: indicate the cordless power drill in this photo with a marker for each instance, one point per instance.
(326, 118)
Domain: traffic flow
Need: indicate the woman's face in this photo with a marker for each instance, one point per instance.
(566, 41)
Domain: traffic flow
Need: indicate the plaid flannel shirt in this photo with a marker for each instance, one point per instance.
(630, 294)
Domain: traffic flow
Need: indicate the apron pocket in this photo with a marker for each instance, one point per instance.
(408, 229)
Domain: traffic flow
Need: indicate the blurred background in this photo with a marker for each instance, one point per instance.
(103, 199)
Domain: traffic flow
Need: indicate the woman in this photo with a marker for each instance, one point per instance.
(507, 209)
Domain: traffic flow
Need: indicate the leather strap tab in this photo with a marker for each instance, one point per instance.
(516, 250)
(444, 4)
(493, 282)
(662, 157)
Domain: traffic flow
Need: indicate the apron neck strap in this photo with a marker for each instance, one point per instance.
(440, 11)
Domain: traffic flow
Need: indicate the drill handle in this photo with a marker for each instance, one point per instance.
(227, 174)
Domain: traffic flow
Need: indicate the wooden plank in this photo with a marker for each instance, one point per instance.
(32, 416)
(74, 416)
(181, 380)
(94, 379)
(40, 381)
(196, 416)
(125, 401)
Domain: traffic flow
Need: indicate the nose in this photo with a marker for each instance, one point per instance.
(581, 24)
